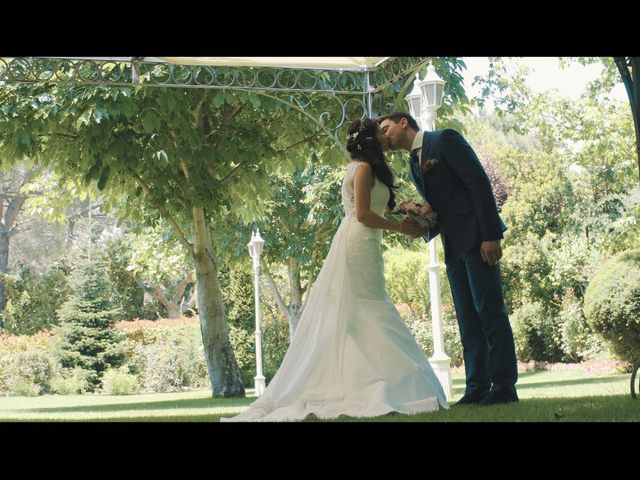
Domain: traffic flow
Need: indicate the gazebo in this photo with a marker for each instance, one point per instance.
(329, 91)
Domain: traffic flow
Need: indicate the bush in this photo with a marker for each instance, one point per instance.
(72, 381)
(166, 355)
(27, 373)
(421, 329)
(275, 343)
(128, 294)
(407, 280)
(536, 333)
(612, 304)
(118, 381)
(32, 299)
(578, 341)
(163, 371)
(244, 347)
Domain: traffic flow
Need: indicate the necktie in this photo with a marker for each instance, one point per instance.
(415, 163)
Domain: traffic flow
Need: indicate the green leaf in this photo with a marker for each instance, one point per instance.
(148, 122)
(218, 100)
(84, 119)
(103, 179)
(255, 101)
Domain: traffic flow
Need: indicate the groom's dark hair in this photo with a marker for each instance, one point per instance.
(397, 116)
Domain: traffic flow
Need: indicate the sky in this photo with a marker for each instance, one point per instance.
(545, 73)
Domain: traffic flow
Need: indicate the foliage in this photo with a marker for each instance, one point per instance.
(73, 381)
(148, 258)
(578, 342)
(129, 295)
(275, 342)
(422, 330)
(165, 355)
(243, 342)
(612, 304)
(27, 373)
(237, 291)
(407, 280)
(85, 337)
(118, 381)
(33, 299)
(536, 333)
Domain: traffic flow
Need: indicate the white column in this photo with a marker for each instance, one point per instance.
(259, 382)
(440, 361)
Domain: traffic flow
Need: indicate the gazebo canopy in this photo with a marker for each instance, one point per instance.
(344, 63)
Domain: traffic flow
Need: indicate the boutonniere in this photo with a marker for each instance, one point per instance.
(428, 164)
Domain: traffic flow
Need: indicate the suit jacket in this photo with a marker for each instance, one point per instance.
(458, 189)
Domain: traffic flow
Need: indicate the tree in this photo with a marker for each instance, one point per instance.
(85, 338)
(303, 215)
(187, 156)
(12, 200)
(157, 263)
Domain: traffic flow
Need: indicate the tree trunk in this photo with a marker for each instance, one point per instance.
(173, 310)
(173, 305)
(221, 360)
(4, 263)
(291, 311)
(296, 295)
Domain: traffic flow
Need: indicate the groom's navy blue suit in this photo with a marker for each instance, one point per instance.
(458, 189)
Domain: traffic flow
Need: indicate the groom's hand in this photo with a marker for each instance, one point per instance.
(413, 229)
(491, 251)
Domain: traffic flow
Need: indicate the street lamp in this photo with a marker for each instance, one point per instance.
(424, 101)
(255, 249)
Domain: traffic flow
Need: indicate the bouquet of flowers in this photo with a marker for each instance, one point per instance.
(421, 212)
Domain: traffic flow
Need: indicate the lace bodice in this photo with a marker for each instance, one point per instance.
(379, 193)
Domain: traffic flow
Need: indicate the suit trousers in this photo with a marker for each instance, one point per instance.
(487, 338)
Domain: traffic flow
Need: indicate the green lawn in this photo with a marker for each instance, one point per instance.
(563, 396)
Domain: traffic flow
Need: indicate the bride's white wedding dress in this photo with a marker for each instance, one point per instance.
(351, 353)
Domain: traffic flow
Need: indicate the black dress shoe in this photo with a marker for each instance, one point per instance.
(470, 398)
(493, 398)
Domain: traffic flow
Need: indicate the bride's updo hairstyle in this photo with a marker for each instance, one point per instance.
(363, 145)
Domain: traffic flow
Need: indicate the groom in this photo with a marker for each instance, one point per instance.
(449, 176)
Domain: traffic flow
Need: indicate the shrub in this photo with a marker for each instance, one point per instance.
(421, 329)
(171, 347)
(577, 339)
(32, 300)
(27, 372)
(163, 371)
(243, 344)
(118, 381)
(72, 381)
(612, 304)
(275, 342)
(536, 333)
(407, 280)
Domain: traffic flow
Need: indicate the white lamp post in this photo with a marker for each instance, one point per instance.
(255, 249)
(424, 101)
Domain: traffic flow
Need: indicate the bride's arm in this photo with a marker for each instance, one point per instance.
(362, 184)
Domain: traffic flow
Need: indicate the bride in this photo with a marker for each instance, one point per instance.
(351, 353)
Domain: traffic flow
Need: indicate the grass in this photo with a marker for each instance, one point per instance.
(545, 396)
